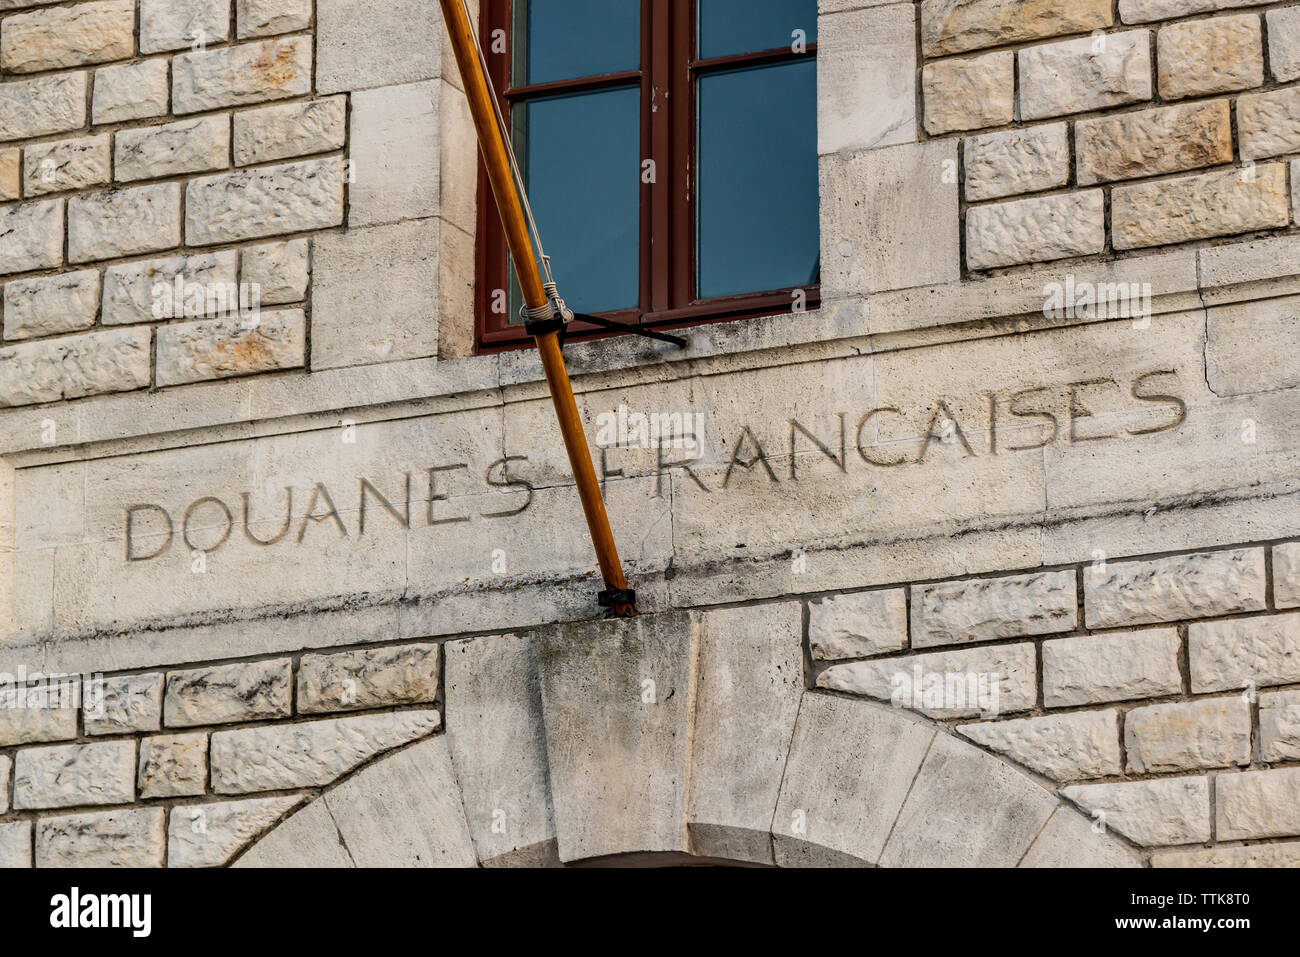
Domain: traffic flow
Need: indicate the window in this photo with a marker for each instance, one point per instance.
(669, 148)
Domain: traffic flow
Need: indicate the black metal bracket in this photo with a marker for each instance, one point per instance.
(540, 327)
(634, 330)
(608, 599)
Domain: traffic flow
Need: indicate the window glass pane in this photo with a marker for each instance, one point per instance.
(565, 39)
(581, 160)
(757, 202)
(747, 26)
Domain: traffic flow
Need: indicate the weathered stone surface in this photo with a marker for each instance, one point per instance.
(221, 348)
(53, 369)
(31, 236)
(264, 201)
(1085, 74)
(181, 24)
(247, 73)
(1065, 747)
(309, 754)
(953, 613)
(968, 94)
(249, 691)
(118, 838)
(398, 42)
(123, 704)
(294, 129)
(1284, 43)
(173, 765)
(394, 131)
(1235, 654)
(39, 713)
(1199, 57)
(65, 165)
(1017, 161)
(951, 26)
(1286, 575)
(1256, 855)
(43, 106)
(1200, 585)
(1145, 11)
(1010, 669)
(967, 809)
(1247, 349)
(6, 766)
(209, 835)
(124, 222)
(866, 79)
(369, 678)
(1258, 804)
(1279, 726)
(71, 774)
(10, 173)
(141, 291)
(1166, 140)
(858, 625)
(54, 304)
(15, 845)
(1188, 735)
(68, 36)
(187, 146)
(1150, 813)
(1069, 840)
(278, 270)
(260, 18)
(1269, 123)
(130, 91)
(850, 767)
(1092, 669)
(308, 839)
(1035, 230)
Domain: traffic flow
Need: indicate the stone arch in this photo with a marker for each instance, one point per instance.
(557, 751)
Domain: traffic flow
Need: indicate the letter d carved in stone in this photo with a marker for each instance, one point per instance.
(131, 556)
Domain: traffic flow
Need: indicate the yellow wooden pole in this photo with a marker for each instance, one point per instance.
(492, 143)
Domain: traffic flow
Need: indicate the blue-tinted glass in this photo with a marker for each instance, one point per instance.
(757, 202)
(747, 26)
(581, 160)
(565, 39)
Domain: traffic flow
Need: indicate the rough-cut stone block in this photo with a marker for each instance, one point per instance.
(1147, 11)
(31, 236)
(1017, 161)
(53, 369)
(1279, 726)
(43, 106)
(1066, 834)
(1065, 747)
(310, 754)
(54, 304)
(182, 24)
(397, 42)
(11, 171)
(264, 202)
(1247, 651)
(72, 774)
(1092, 669)
(1256, 804)
(1188, 736)
(858, 625)
(951, 26)
(118, 838)
(262, 18)
(293, 129)
(130, 91)
(143, 291)
(1199, 57)
(1284, 43)
(965, 683)
(954, 613)
(1150, 813)
(1269, 123)
(65, 165)
(209, 835)
(250, 691)
(173, 765)
(394, 132)
(369, 678)
(16, 845)
(124, 222)
(969, 94)
(1286, 575)
(1248, 348)
(278, 270)
(123, 704)
(1256, 855)
(1036, 230)
(866, 79)
(1085, 74)
(1170, 589)
(6, 766)
(187, 146)
(1149, 142)
(221, 348)
(68, 36)
(247, 73)
(37, 713)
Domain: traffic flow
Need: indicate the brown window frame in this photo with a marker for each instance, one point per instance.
(667, 269)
